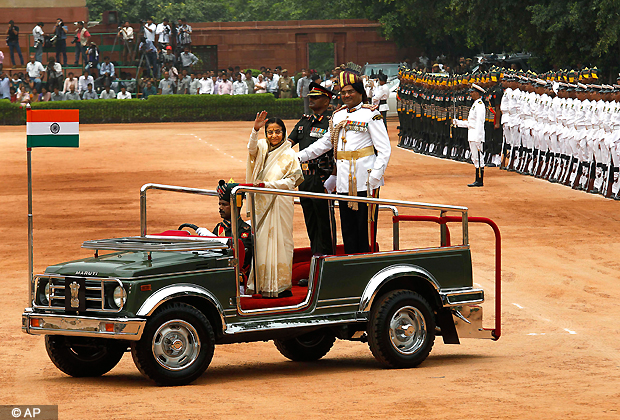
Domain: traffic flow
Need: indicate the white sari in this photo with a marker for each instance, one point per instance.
(280, 169)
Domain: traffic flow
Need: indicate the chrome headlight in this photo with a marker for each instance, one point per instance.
(120, 296)
(47, 292)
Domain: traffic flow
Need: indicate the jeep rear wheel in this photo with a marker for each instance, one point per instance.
(176, 347)
(308, 347)
(84, 356)
(401, 329)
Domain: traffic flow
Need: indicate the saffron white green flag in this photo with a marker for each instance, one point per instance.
(53, 128)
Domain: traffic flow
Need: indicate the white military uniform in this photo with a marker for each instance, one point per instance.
(360, 133)
(475, 131)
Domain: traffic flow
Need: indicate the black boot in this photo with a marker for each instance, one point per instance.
(481, 177)
(478, 181)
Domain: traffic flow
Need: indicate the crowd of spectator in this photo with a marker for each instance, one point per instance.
(47, 83)
(166, 67)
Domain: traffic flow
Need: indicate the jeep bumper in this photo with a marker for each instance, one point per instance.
(59, 324)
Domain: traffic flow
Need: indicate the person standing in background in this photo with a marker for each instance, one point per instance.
(225, 86)
(5, 86)
(249, 81)
(80, 46)
(60, 32)
(239, 86)
(163, 30)
(286, 85)
(194, 85)
(149, 30)
(184, 35)
(475, 132)
(303, 85)
(127, 33)
(380, 96)
(39, 40)
(12, 40)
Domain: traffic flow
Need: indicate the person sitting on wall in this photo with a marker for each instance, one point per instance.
(224, 228)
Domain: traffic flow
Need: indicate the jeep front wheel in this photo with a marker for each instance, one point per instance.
(82, 357)
(401, 329)
(308, 347)
(176, 347)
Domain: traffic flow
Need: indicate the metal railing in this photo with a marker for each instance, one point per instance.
(383, 204)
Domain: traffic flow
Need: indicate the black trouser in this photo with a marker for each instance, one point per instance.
(316, 215)
(61, 49)
(354, 224)
(384, 114)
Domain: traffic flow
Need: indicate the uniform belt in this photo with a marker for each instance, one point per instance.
(382, 102)
(352, 156)
(356, 154)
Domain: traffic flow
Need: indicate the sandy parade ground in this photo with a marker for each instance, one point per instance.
(558, 357)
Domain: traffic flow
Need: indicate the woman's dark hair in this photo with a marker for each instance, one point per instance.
(276, 120)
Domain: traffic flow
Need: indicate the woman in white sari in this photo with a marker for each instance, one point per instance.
(272, 161)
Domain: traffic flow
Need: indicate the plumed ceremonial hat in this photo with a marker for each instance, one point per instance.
(350, 75)
(225, 188)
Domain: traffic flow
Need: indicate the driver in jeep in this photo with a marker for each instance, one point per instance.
(224, 228)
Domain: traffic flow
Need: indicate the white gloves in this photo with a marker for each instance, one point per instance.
(330, 184)
(373, 181)
(301, 156)
(204, 232)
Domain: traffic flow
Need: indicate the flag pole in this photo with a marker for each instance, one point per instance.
(30, 244)
(30, 228)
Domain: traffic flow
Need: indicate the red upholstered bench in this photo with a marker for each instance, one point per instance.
(173, 233)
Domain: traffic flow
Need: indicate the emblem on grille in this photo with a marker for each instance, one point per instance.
(75, 302)
(55, 128)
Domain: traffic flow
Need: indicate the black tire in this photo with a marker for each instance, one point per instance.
(155, 354)
(84, 356)
(308, 347)
(396, 347)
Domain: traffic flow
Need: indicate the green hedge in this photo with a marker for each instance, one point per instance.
(167, 108)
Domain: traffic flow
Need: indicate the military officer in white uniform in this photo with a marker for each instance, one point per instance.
(362, 151)
(475, 133)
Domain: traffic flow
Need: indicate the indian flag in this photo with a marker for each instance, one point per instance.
(53, 128)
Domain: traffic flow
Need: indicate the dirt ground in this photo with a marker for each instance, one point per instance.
(558, 356)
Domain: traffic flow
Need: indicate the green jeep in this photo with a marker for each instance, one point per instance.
(170, 298)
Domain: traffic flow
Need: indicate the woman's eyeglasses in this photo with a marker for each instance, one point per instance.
(272, 132)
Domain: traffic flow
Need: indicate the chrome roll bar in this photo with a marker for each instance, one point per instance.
(384, 205)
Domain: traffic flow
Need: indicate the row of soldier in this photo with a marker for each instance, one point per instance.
(427, 104)
(567, 133)
(563, 127)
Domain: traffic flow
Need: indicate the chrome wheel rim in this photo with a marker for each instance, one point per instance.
(176, 345)
(407, 330)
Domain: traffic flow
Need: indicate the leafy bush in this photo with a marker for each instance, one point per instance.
(165, 108)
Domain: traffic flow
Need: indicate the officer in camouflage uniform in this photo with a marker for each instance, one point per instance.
(316, 171)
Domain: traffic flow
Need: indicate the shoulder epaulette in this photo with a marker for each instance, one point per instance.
(341, 108)
(371, 107)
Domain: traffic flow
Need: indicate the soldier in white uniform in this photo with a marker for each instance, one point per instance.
(475, 133)
(362, 151)
(380, 95)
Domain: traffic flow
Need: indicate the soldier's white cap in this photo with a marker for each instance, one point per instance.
(475, 86)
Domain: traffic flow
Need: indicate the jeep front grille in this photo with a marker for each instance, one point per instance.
(98, 295)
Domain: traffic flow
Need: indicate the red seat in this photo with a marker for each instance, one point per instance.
(173, 233)
(299, 294)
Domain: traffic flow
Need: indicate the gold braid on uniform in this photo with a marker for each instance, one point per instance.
(334, 132)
